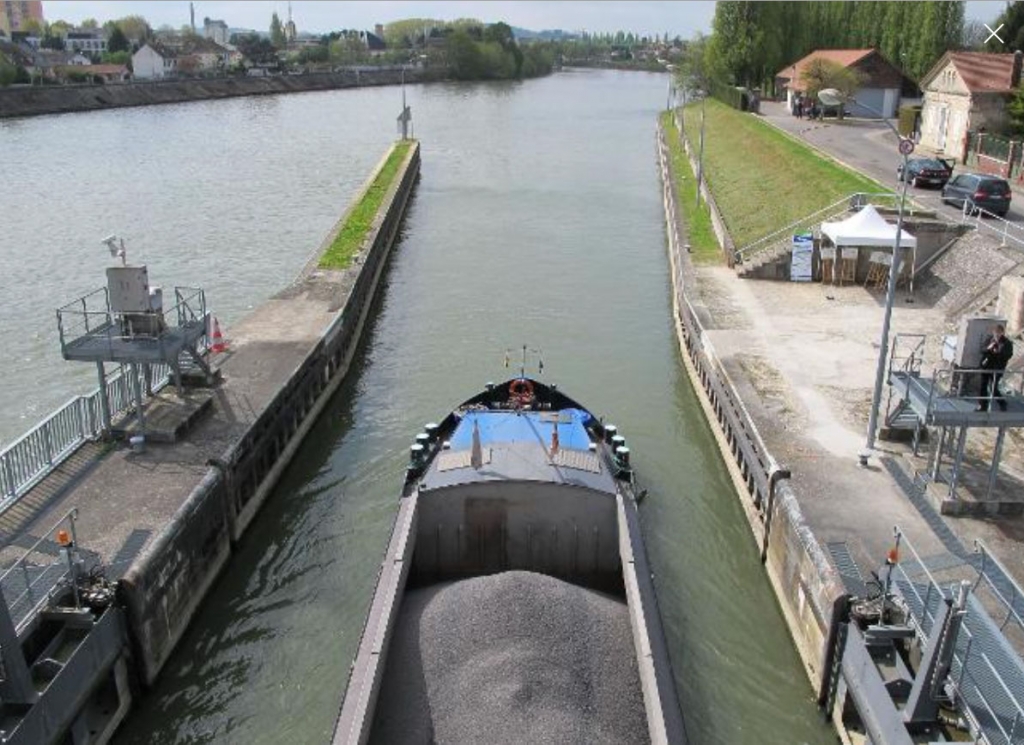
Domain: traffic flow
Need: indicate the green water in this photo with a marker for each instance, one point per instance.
(537, 220)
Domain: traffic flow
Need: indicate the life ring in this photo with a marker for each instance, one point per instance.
(520, 390)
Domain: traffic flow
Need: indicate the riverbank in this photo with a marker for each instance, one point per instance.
(166, 521)
(791, 178)
(785, 372)
(42, 100)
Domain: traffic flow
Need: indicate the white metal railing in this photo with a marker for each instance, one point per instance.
(1009, 234)
(38, 575)
(30, 458)
(854, 201)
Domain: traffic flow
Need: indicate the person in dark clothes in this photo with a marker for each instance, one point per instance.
(994, 357)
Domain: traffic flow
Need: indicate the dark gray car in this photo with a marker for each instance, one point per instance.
(990, 193)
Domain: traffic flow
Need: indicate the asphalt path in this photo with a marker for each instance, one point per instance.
(869, 146)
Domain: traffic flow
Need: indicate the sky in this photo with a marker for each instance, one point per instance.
(646, 17)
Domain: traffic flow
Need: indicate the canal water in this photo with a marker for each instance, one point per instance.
(537, 221)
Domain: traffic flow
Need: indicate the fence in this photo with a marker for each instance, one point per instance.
(995, 155)
(30, 458)
(39, 574)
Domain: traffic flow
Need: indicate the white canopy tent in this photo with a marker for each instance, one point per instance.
(868, 229)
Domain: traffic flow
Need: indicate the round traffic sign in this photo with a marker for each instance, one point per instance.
(906, 146)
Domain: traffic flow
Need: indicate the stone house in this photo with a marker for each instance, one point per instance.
(966, 91)
(884, 83)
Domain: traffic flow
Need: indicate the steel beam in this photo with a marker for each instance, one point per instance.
(882, 721)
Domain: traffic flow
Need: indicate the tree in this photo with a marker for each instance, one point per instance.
(116, 58)
(820, 74)
(52, 41)
(464, 59)
(1015, 113)
(90, 23)
(695, 71)
(117, 41)
(136, 28)
(60, 28)
(1012, 31)
(973, 37)
(255, 48)
(8, 73)
(277, 37)
(32, 26)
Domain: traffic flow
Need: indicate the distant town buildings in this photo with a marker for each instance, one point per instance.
(88, 41)
(14, 14)
(216, 31)
(153, 61)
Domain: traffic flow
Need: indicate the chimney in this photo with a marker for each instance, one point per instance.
(379, 30)
(1018, 57)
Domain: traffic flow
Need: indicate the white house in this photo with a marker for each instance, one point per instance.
(153, 62)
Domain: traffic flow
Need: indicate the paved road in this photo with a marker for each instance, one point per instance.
(870, 147)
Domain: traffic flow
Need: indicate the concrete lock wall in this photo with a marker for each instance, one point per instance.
(805, 583)
(164, 587)
(39, 100)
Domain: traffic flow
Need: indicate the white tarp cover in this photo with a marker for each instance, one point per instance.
(866, 228)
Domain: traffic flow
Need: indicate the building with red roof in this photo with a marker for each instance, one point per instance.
(966, 91)
(883, 82)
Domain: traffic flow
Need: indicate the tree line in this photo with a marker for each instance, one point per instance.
(752, 41)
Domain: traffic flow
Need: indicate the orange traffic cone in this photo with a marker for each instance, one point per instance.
(218, 344)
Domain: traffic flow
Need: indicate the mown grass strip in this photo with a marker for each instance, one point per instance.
(701, 236)
(350, 238)
(763, 180)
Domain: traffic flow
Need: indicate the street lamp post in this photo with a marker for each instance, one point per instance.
(832, 97)
(700, 150)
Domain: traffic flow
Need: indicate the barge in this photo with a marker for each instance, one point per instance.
(514, 602)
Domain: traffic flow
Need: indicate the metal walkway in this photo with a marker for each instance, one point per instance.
(986, 676)
(934, 405)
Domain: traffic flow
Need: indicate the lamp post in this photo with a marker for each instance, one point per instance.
(832, 97)
(700, 150)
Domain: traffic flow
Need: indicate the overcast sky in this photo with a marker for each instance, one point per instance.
(644, 17)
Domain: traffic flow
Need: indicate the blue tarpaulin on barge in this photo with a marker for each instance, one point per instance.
(499, 427)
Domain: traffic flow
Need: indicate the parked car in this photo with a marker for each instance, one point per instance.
(931, 171)
(975, 190)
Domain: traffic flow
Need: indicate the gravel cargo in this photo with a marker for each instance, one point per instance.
(511, 658)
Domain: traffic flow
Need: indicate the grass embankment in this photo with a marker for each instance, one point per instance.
(700, 235)
(350, 238)
(762, 179)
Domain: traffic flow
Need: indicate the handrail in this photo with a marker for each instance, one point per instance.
(979, 212)
(34, 455)
(22, 564)
(987, 557)
(852, 201)
(750, 248)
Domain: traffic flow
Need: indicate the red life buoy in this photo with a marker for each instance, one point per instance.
(520, 391)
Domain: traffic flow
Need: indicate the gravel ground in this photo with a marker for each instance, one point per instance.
(515, 657)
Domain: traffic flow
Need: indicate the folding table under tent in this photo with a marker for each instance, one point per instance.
(868, 229)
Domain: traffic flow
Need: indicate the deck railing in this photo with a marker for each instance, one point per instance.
(986, 675)
(34, 455)
(40, 573)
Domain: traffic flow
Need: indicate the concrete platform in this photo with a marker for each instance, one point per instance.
(803, 358)
(168, 416)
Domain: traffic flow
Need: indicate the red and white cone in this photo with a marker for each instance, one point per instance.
(218, 344)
